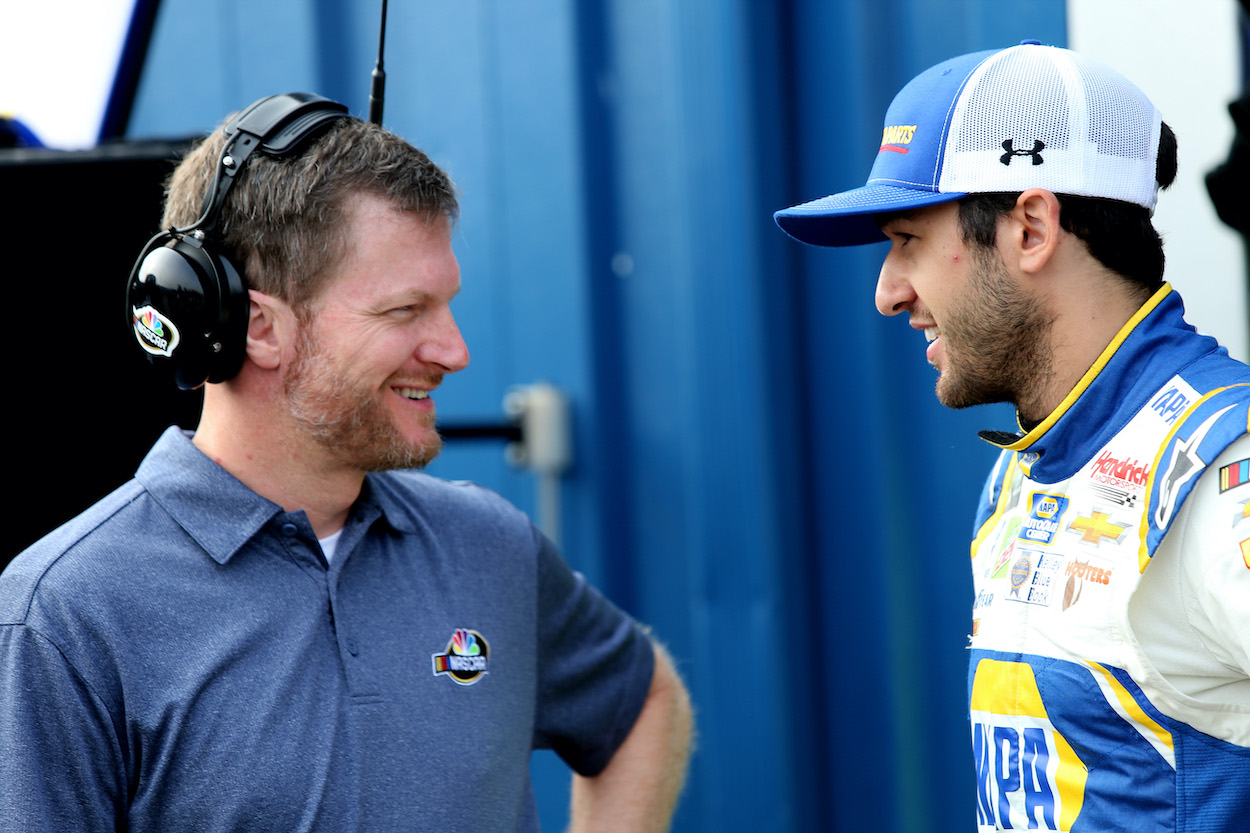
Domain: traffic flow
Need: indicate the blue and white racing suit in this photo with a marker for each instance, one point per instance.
(1109, 682)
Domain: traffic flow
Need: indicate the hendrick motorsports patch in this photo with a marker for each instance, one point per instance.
(465, 658)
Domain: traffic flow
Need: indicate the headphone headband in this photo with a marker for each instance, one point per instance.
(277, 125)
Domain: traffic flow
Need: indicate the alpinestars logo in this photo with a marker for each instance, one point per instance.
(465, 659)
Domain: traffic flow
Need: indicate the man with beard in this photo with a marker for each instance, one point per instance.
(1109, 682)
(277, 625)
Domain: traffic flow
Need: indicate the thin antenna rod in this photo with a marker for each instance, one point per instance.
(377, 86)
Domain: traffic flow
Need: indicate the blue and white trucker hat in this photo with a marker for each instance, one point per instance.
(1029, 116)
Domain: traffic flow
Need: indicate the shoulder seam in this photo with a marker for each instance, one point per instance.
(36, 582)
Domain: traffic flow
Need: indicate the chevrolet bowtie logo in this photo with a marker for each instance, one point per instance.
(1096, 527)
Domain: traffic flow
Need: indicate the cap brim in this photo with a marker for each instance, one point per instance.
(846, 219)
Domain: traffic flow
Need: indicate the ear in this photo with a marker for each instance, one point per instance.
(271, 329)
(1035, 230)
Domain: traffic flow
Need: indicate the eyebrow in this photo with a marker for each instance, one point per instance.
(882, 220)
(407, 297)
(891, 217)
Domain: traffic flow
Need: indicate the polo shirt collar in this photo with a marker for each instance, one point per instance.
(395, 512)
(198, 494)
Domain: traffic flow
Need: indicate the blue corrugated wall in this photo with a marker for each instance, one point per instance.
(761, 472)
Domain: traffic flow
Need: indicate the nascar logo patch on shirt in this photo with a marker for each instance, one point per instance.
(465, 658)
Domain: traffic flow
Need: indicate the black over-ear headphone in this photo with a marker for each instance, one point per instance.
(185, 301)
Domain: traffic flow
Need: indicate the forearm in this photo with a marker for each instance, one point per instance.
(638, 790)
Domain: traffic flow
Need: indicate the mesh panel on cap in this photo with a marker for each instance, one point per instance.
(1072, 126)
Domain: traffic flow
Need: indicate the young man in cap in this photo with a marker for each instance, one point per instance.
(273, 627)
(1109, 681)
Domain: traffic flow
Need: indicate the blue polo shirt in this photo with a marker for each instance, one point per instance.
(181, 657)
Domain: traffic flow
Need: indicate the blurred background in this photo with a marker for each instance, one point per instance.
(757, 467)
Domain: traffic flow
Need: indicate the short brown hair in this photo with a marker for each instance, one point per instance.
(284, 221)
(1119, 235)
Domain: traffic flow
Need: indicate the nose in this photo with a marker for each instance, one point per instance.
(445, 346)
(894, 291)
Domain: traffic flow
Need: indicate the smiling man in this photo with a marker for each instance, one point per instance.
(278, 625)
(1109, 682)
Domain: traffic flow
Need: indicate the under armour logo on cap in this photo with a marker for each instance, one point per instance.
(1036, 152)
(1086, 130)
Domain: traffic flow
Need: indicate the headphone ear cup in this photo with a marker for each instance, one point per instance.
(227, 341)
(187, 307)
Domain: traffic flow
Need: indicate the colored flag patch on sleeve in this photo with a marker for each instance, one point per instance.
(1234, 475)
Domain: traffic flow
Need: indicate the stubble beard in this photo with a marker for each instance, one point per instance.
(997, 341)
(348, 419)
